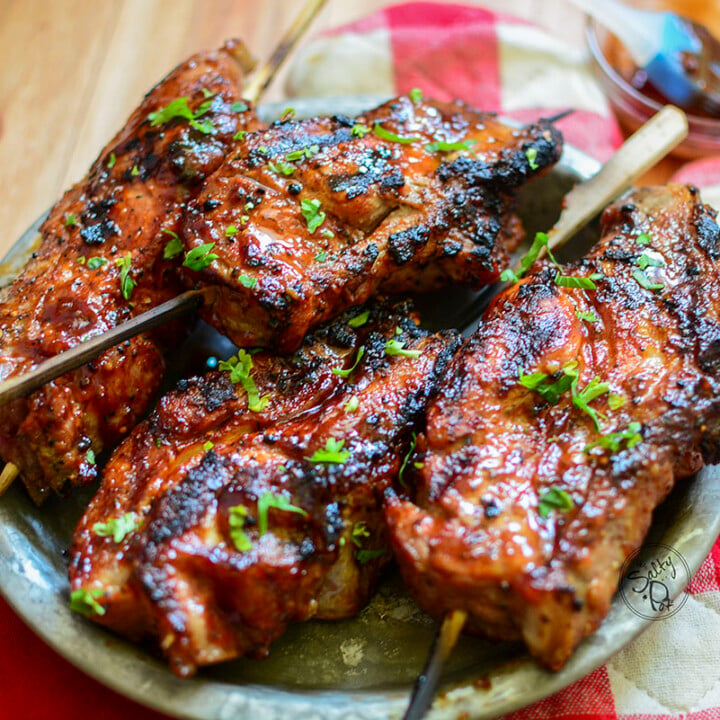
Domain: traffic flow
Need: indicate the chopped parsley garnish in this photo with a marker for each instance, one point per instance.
(208, 445)
(85, 602)
(531, 155)
(127, 284)
(587, 316)
(406, 459)
(70, 220)
(381, 132)
(117, 528)
(442, 146)
(281, 167)
(346, 373)
(313, 215)
(592, 390)
(327, 233)
(582, 283)
(239, 135)
(643, 239)
(179, 108)
(365, 556)
(615, 401)
(240, 366)
(200, 257)
(95, 262)
(238, 107)
(288, 114)
(321, 256)
(646, 261)
(550, 391)
(352, 404)
(263, 150)
(416, 96)
(135, 171)
(332, 453)
(247, 281)
(359, 320)
(397, 347)
(540, 241)
(230, 230)
(244, 219)
(554, 499)
(359, 532)
(206, 93)
(612, 441)
(359, 130)
(90, 456)
(270, 500)
(111, 161)
(236, 522)
(644, 281)
(306, 152)
(174, 246)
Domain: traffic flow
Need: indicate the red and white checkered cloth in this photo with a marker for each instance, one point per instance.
(494, 62)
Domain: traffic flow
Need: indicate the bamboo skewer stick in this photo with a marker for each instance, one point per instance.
(50, 369)
(638, 154)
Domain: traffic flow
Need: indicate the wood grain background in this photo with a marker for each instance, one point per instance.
(73, 70)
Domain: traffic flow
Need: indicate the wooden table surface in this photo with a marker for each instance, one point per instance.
(73, 70)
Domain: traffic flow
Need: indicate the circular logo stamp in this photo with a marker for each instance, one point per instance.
(652, 579)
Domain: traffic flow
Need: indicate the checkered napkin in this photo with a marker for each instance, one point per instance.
(493, 62)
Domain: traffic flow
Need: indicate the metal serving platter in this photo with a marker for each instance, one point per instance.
(362, 669)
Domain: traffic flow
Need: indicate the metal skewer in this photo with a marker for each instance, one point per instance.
(638, 154)
(77, 356)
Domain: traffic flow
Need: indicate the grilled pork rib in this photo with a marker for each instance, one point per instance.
(312, 216)
(536, 487)
(205, 569)
(100, 261)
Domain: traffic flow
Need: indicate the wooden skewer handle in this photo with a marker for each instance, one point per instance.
(80, 354)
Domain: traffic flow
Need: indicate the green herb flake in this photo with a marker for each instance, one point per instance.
(615, 402)
(96, 262)
(287, 114)
(539, 242)
(416, 96)
(397, 347)
(307, 153)
(406, 459)
(359, 130)
(554, 499)
(247, 282)
(240, 367)
(590, 392)
(238, 107)
(230, 231)
(244, 219)
(70, 220)
(365, 556)
(135, 171)
(200, 257)
(581, 283)
(327, 233)
(85, 602)
(117, 528)
(111, 161)
(646, 261)
(82, 259)
(239, 135)
(90, 456)
(332, 453)
(442, 146)
(531, 155)
(179, 108)
(509, 275)
(313, 215)
(643, 239)
(206, 93)
(384, 134)
(643, 280)
(281, 167)
(550, 391)
(268, 501)
(321, 257)
(613, 441)
(359, 533)
(352, 404)
(127, 284)
(587, 316)
(208, 445)
(236, 523)
(359, 320)
(174, 246)
(346, 373)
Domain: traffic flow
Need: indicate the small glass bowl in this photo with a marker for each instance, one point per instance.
(611, 64)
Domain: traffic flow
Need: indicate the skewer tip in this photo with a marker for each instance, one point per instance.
(8, 475)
